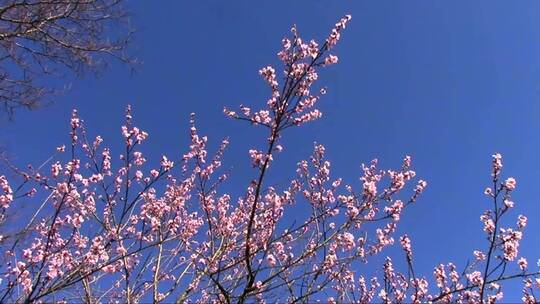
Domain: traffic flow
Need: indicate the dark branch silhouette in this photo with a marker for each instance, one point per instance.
(44, 38)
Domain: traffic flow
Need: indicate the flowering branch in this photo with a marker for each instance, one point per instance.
(128, 229)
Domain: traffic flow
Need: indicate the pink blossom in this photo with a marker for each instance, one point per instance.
(313, 49)
(271, 260)
(510, 243)
(479, 255)
(497, 164)
(346, 241)
(475, 278)
(139, 160)
(440, 275)
(395, 210)
(269, 74)
(6, 196)
(56, 168)
(335, 34)
(522, 222)
(75, 121)
(166, 164)
(262, 117)
(406, 245)
(489, 225)
(258, 158)
(420, 186)
(510, 183)
(230, 113)
(331, 59)
(522, 263)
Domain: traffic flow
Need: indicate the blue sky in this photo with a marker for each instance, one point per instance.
(448, 83)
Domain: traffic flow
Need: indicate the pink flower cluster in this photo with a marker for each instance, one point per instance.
(6, 196)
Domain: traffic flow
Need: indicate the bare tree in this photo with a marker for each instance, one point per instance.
(40, 38)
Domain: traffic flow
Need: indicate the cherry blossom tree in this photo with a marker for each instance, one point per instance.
(164, 231)
(40, 38)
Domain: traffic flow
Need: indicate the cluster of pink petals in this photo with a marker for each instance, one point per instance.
(6, 196)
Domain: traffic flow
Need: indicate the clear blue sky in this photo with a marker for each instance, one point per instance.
(448, 83)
